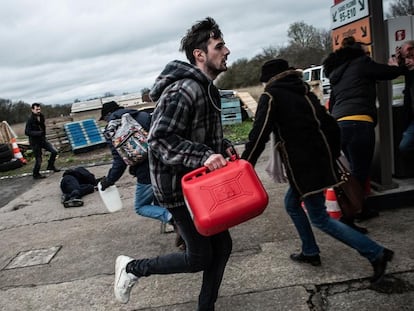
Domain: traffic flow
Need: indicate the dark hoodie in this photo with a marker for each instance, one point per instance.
(185, 130)
(36, 129)
(306, 135)
(353, 77)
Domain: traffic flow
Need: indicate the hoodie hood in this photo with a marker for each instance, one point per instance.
(289, 80)
(336, 63)
(175, 71)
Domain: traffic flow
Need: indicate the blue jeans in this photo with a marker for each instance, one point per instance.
(207, 254)
(407, 141)
(358, 144)
(144, 204)
(316, 210)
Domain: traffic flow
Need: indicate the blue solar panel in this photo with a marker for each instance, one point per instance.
(95, 135)
(84, 134)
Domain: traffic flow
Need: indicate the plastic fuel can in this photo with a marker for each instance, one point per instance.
(225, 197)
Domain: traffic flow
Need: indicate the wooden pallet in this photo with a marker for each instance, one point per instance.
(248, 103)
(56, 134)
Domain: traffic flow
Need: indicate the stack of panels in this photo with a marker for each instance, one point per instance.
(230, 111)
(84, 134)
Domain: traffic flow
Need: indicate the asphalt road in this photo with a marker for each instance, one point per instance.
(11, 188)
(54, 258)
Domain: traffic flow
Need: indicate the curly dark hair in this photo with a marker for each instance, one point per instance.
(197, 37)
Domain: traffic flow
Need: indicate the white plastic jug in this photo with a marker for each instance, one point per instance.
(111, 198)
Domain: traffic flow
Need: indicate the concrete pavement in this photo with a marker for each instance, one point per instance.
(54, 258)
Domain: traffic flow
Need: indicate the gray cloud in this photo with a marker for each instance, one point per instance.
(57, 51)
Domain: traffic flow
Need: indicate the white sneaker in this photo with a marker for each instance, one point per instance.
(123, 280)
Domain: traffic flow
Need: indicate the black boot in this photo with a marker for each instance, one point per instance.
(73, 203)
(53, 168)
(314, 260)
(38, 176)
(367, 213)
(380, 265)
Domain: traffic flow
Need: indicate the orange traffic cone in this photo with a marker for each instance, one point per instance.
(16, 151)
(332, 206)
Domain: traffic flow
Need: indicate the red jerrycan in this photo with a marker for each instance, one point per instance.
(225, 197)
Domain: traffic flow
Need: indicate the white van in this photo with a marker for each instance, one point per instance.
(316, 73)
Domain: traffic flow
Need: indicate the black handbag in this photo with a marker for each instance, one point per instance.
(349, 194)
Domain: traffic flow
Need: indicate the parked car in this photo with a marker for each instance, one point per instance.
(316, 73)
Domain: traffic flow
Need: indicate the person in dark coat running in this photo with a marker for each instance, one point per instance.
(308, 140)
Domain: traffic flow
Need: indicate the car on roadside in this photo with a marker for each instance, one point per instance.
(316, 73)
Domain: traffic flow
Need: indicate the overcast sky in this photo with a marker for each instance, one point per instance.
(56, 51)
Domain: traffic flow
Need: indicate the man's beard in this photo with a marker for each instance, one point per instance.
(213, 70)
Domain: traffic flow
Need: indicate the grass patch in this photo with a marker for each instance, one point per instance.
(238, 133)
(399, 80)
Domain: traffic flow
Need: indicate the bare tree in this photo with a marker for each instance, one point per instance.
(303, 35)
(401, 8)
(307, 46)
(325, 40)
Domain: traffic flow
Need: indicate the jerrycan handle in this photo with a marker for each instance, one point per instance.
(198, 172)
(230, 150)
